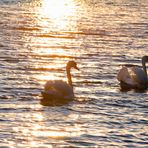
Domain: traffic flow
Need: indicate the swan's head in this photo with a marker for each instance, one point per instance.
(145, 59)
(72, 64)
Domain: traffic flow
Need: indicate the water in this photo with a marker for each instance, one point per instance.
(37, 38)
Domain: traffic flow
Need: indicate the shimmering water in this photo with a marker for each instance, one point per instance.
(37, 38)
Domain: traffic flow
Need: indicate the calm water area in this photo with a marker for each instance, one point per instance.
(37, 38)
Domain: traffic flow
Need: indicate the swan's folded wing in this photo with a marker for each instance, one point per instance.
(51, 94)
(138, 75)
(59, 87)
(124, 75)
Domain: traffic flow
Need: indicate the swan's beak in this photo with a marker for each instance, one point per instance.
(76, 67)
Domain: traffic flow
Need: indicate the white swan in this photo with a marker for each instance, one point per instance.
(133, 76)
(58, 90)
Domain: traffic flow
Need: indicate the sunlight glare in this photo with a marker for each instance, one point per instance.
(57, 11)
(58, 134)
(57, 8)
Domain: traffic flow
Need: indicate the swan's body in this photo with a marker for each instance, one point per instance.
(58, 90)
(134, 76)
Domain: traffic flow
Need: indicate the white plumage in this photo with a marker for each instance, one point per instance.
(134, 76)
(59, 90)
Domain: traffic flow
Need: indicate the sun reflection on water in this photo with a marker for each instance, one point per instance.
(34, 124)
(57, 134)
(56, 11)
(51, 41)
(57, 8)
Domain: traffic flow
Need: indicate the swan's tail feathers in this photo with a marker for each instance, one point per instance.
(123, 74)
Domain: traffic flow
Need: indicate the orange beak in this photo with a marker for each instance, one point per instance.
(76, 67)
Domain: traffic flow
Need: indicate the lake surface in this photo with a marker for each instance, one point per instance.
(37, 38)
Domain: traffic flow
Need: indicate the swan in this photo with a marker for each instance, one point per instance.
(59, 90)
(132, 76)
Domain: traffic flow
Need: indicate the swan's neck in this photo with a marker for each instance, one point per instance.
(69, 76)
(144, 66)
